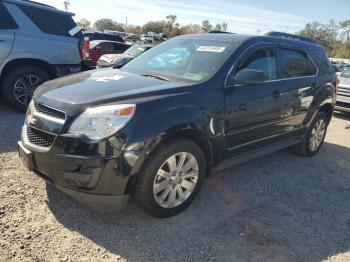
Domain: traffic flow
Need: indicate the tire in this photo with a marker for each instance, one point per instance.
(22, 79)
(304, 148)
(148, 182)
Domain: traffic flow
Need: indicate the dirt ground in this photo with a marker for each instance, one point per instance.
(277, 208)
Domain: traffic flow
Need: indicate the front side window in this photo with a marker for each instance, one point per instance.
(6, 20)
(295, 64)
(264, 60)
(190, 60)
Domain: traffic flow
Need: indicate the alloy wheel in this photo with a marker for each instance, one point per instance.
(175, 180)
(317, 135)
(24, 88)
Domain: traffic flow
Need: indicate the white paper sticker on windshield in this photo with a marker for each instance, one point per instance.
(216, 49)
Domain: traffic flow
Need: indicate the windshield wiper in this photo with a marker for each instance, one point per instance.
(156, 77)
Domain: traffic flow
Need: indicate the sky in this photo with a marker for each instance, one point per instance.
(242, 16)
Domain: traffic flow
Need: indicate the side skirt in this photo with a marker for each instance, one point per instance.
(256, 153)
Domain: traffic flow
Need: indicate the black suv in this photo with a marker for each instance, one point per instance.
(155, 128)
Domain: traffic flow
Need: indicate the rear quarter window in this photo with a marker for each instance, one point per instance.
(6, 20)
(49, 22)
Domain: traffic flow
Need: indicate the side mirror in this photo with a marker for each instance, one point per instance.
(247, 76)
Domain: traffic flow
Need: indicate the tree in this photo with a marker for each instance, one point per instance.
(224, 26)
(108, 24)
(206, 26)
(324, 34)
(172, 28)
(135, 29)
(343, 51)
(154, 26)
(345, 26)
(190, 29)
(218, 27)
(84, 24)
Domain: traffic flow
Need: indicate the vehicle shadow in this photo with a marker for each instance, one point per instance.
(277, 208)
(10, 129)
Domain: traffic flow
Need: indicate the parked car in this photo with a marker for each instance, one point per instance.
(156, 127)
(103, 36)
(99, 48)
(343, 97)
(32, 50)
(118, 60)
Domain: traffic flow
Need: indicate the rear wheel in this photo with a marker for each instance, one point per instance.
(19, 85)
(314, 138)
(171, 178)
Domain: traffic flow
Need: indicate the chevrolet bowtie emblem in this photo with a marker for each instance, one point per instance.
(31, 120)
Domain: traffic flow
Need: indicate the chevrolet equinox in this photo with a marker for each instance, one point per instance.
(156, 127)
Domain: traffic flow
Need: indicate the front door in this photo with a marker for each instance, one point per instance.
(255, 113)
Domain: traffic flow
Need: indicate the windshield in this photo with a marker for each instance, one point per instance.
(135, 50)
(191, 60)
(346, 74)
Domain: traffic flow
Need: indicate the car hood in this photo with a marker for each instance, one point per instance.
(76, 92)
(115, 57)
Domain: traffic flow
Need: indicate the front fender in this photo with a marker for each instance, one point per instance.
(147, 132)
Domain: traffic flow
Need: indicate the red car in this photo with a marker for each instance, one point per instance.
(99, 48)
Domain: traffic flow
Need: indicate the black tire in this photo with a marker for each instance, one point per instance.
(303, 148)
(143, 193)
(8, 84)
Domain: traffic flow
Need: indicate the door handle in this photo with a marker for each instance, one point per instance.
(277, 94)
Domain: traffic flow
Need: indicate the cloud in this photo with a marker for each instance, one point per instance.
(241, 18)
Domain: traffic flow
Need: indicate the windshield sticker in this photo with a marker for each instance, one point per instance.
(215, 49)
(108, 78)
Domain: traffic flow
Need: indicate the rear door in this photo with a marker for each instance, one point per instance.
(297, 76)
(7, 34)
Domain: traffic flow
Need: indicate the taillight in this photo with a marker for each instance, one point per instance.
(337, 84)
(87, 47)
(81, 48)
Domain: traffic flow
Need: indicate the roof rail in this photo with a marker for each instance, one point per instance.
(290, 36)
(219, 32)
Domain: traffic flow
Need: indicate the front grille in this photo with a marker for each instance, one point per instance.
(45, 110)
(39, 138)
(344, 91)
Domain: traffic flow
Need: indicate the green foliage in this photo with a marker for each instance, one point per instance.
(154, 26)
(343, 50)
(84, 24)
(206, 26)
(108, 24)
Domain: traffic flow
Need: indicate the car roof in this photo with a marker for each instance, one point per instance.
(241, 38)
(38, 5)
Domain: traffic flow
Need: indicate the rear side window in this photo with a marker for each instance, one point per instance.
(295, 64)
(6, 20)
(49, 22)
(264, 60)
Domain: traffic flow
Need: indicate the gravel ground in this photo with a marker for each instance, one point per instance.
(277, 208)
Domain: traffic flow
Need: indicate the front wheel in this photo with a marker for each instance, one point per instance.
(171, 178)
(314, 137)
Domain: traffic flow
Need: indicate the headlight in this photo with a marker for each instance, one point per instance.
(102, 121)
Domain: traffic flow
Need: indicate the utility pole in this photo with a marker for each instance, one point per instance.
(258, 32)
(66, 5)
(126, 24)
